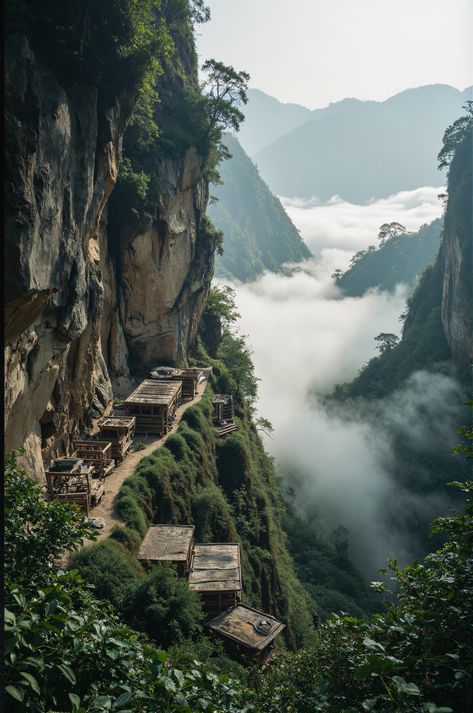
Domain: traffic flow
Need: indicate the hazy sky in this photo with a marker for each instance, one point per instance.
(313, 52)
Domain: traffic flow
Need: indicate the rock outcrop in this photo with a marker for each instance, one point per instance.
(457, 257)
(161, 274)
(76, 315)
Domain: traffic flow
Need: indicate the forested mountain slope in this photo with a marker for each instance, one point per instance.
(401, 258)
(365, 149)
(258, 233)
(437, 327)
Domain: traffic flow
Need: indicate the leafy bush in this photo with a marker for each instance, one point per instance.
(64, 650)
(109, 568)
(163, 606)
(418, 656)
(212, 516)
(36, 533)
(132, 515)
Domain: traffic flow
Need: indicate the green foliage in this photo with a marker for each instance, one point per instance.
(131, 37)
(210, 234)
(130, 512)
(326, 571)
(386, 342)
(418, 656)
(423, 345)
(109, 568)
(212, 516)
(36, 533)
(163, 606)
(234, 352)
(455, 135)
(401, 258)
(388, 231)
(259, 234)
(66, 651)
(219, 314)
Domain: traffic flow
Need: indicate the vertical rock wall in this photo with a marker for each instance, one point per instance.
(75, 317)
(457, 257)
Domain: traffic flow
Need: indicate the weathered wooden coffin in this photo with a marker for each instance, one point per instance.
(96, 453)
(189, 378)
(216, 575)
(119, 431)
(70, 480)
(154, 405)
(169, 543)
(247, 632)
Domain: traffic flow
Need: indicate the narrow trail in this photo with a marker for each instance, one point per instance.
(106, 510)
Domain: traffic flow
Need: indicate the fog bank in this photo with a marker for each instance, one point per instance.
(337, 229)
(306, 337)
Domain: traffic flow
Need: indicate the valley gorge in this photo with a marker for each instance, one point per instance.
(300, 449)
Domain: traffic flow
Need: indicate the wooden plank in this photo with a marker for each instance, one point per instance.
(240, 624)
(171, 543)
(216, 567)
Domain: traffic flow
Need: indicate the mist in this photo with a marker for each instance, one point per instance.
(337, 229)
(306, 336)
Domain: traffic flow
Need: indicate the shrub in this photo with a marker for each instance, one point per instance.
(163, 606)
(131, 513)
(129, 539)
(107, 566)
(212, 516)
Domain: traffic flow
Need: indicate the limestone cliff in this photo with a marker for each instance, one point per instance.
(159, 274)
(457, 257)
(77, 309)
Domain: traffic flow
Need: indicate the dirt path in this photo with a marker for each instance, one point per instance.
(106, 509)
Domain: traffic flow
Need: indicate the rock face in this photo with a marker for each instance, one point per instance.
(74, 316)
(457, 258)
(162, 273)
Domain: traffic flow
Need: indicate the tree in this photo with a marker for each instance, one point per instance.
(220, 312)
(388, 231)
(386, 341)
(37, 533)
(454, 135)
(224, 91)
(337, 274)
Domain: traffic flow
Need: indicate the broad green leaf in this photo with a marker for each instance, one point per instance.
(15, 692)
(67, 672)
(31, 680)
(123, 699)
(75, 700)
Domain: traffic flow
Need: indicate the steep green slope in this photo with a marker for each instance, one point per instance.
(402, 258)
(365, 149)
(258, 234)
(425, 343)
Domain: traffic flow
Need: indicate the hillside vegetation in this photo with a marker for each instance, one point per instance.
(402, 258)
(258, 233)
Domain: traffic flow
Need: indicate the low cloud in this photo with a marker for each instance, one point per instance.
(306, 337)
(337, 229)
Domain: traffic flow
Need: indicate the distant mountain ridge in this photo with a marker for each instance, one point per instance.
(258, 233)
(355, 149)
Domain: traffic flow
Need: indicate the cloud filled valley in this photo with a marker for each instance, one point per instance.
(306, 337)
(336, 229)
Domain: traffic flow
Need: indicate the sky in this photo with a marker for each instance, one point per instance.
(313, 52)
